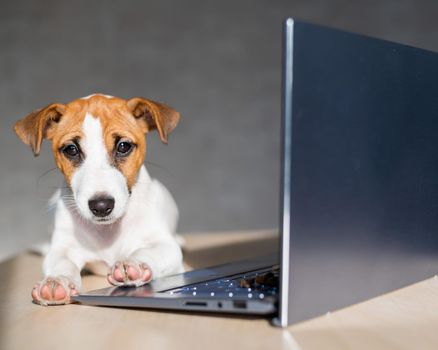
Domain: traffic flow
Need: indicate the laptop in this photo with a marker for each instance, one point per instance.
(359, 187)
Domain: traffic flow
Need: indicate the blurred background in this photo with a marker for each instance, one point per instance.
(217, 62)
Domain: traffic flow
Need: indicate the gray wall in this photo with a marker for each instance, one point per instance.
(218, 63)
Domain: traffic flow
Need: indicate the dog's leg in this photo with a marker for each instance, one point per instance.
(62, 280)
(144, 264)
(61, 267)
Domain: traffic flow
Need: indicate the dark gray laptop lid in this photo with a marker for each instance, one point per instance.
(360, 169)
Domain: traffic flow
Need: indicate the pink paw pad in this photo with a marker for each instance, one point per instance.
(53, 291)
(129, 273)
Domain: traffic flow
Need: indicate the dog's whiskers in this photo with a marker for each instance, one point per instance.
(167, 171)
(45, 173)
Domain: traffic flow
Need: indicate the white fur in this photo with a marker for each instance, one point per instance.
(96, 175)
(142, 225)
(90, 96)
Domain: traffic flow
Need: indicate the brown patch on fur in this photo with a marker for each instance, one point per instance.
(119, 119)
(38, 125)
(154, 115)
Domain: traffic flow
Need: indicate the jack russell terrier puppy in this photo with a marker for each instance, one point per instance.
(111, 210)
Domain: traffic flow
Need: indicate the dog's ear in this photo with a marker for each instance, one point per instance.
(38, 125)
(154, 115)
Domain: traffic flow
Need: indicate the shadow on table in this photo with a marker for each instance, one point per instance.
(210, 256)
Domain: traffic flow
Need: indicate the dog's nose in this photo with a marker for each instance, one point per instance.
(101, 206)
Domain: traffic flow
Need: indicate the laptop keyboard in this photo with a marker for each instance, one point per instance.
(255, 285)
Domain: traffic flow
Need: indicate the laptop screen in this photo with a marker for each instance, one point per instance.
(360, 169)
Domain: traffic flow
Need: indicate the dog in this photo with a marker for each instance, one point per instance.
(111, 212)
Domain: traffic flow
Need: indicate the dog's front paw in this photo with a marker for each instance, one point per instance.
(54, 291)
(129, 273)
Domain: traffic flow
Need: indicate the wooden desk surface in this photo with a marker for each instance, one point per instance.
(405, 319)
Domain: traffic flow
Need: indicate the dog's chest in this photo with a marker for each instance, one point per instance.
(105, 243)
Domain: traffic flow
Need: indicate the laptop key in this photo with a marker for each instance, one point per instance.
(250, 286)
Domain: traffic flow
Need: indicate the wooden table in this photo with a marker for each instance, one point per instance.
(405, 319)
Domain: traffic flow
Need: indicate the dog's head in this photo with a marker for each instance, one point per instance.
(99, 145)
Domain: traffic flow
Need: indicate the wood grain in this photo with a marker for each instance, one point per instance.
(405, 319)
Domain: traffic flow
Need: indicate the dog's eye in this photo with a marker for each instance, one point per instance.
(71, 151)
(123, 148)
